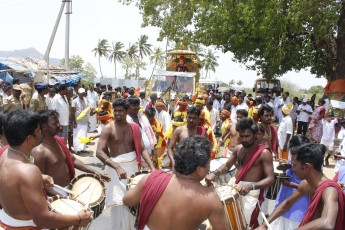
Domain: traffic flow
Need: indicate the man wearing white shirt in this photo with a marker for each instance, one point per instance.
(216, 103)
(285, 132)
(143, 101)
(60, 104)
(327, 103)
(49, 98)
(234, 105)
(242, 103)
(276, 103)
(285, 100)
(92, 100)
(304, 111)
(339, 155)
(214, 113)
(163, 116)
(268, 101)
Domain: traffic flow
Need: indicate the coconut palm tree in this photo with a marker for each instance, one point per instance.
(210, 61)
(116, 53)
(101, 50)
(132, 51)
(157, 58)
(198, 49)
(144, 48)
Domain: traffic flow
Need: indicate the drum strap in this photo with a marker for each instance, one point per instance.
(137, 144)
(69, 160)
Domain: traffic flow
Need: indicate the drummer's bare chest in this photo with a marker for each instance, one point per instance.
(186, 133)
(55, 158)
(243, 156)
(122, 135)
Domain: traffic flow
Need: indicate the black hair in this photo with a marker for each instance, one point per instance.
(142, 93)
(185, 98)
(246, 123)
(98, 84)
(178, 119)
(295, 98)
(16, 81)
(209, 101)
(45, 114)
(153, 96)
(297, 140)
(287, 93)
(191, 153)
(120, 102)
(322, 101)
(310, 153)
(133, 100)
(194, 110)
(150, 112)
(19, 124)
(243, 112)
(62, 87)
(2, 119)
(102, 113)
(258, 99)
(241, 95)
(263, 109)
(261, 127)
(8, 88)
(131, 92)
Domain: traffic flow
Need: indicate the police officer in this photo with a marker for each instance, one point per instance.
(14, 101)
(38, 101)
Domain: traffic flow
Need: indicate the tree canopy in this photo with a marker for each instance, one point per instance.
(271, 37)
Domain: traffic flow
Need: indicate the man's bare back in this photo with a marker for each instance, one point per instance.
(119, 139)
(51, 160)
(234, 136)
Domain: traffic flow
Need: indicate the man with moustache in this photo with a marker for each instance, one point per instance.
(52, 156)
(269, 139)
(126, 147)
(254, 169)
(189, 130)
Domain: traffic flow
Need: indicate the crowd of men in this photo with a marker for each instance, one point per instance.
(137, 132)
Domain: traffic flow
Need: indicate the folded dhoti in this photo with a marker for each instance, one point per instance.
(116, 188)
(249, 201)
(146, 228)
(121, 218)
(7, 222)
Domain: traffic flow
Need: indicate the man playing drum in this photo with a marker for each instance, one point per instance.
(188, 130)
(126, 148)
(52, 156)
(21, 191)
(179, 201)
(254, 169)
(327, 199)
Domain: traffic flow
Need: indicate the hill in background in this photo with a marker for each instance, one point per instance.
(29, 52)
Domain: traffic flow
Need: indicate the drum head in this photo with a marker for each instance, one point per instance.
(88, 190)
(226, 193)
(135, 178)
(216, 163)
(66, 206)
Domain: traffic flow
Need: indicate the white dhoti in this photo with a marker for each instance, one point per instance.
(284, 223)
(146, 228)
(249, 201)
(121, 218)
(11, 222)
(80, 131)
(228, 154)
(93, 123)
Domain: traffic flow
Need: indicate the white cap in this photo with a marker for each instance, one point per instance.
(81, 90)
(305, 100)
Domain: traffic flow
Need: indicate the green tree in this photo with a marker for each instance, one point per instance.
(231, 82)
(116, 53)
(101, 50)
(144, 48)
(210, 61)
(271, 37)
(138, 65)
(318, 89)
(89, 71)
(239, 83)
(157, 58)
(75, 63)
(127, 65)
(197, 48)
(132, 51)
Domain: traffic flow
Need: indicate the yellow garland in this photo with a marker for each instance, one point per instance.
(170, 131)
(199, 101)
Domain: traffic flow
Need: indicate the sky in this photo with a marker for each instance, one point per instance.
(29, 23)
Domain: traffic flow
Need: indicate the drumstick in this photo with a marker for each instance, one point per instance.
(264, 217)
(64, 189)
(236, 188)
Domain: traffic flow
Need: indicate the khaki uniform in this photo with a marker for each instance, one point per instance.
(12, 103)
(37, 103)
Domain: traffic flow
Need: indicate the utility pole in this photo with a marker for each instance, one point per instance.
(52, 37)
